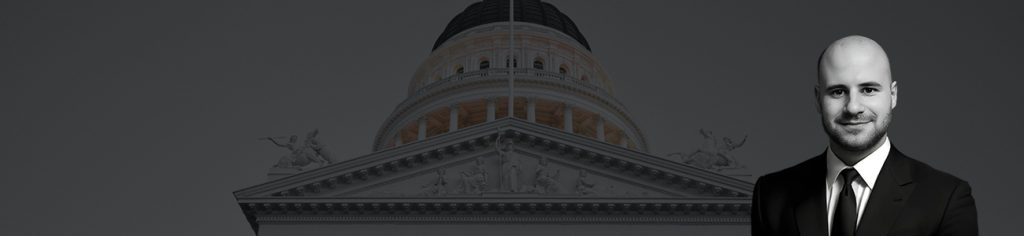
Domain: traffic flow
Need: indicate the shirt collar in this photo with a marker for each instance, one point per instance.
(868, 168)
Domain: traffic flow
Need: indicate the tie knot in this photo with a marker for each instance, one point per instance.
(849, 175)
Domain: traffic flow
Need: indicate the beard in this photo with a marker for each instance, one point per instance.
(848, 141)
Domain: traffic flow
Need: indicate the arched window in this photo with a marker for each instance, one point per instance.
(538, 64)
(459, 69)
(562, 70)
(484, 64)
(515, 62)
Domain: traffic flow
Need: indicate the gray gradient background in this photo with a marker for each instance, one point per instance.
(132, 118)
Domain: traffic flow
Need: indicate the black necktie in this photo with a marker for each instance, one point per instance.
(844, 222)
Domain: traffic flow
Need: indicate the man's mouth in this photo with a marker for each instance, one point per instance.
(853, 122)
(853, 127)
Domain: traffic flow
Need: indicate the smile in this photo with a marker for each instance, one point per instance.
(853, 122)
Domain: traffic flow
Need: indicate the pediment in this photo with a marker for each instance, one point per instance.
(520, 173)
(540, 162)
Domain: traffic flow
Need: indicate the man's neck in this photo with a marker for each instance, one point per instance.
(852, 157)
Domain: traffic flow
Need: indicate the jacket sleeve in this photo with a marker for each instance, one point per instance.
(960, 217)
(756, 223)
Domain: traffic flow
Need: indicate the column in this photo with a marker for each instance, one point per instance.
(398, 139)
(453, 118)
(490, 109)
(622, 140)
(421, 134)
(567, 117)
(531, 109)
(600, 128)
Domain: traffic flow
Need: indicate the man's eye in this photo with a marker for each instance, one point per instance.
(869, 90)
(837, 93)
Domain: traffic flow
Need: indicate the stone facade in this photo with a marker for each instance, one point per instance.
(428, 183)
(451, 160)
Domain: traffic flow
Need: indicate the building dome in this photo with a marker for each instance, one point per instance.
(464, 82)
(491, 11)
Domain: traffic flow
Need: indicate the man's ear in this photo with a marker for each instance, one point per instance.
(893, 94)
(817, 99)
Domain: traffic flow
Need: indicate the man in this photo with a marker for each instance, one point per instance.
(861, 185)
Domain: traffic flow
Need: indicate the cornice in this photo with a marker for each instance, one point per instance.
(498, 211)
(608, 156)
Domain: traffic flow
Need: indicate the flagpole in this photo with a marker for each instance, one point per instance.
(511, 56)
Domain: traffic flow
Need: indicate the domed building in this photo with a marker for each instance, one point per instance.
(505, 131)
(464, 81)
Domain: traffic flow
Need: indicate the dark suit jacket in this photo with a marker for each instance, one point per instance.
(909, 198)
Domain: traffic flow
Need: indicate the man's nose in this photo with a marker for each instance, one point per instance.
(854, 104)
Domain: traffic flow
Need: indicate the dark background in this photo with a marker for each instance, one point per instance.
(141, 118)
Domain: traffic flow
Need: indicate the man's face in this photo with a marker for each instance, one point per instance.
(856, 96)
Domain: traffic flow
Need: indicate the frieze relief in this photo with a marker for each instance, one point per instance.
(508, 171)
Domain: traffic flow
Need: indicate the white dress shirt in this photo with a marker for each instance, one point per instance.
(868, 169)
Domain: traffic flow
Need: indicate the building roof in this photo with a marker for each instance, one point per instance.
(420, 183)
(491, 11)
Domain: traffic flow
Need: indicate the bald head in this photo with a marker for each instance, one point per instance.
(854, 56)
(855, 95)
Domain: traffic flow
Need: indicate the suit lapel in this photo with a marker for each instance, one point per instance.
(811, 211)
(892, 188)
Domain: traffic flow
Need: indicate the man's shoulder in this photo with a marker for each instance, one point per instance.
(791, 182)
(810, 168)
(924, 172)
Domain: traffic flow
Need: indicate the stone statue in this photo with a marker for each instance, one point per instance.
(727, 146)
(713, 154)
(290, 160)
(440, 187)
(475, 180)
(544, 181)
(308, 156)
(510, 168)
(319, 153)
(583, 186)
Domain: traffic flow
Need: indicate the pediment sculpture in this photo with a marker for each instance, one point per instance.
(715, 154)
(522, 163)
(310, 154)
(511, 168)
